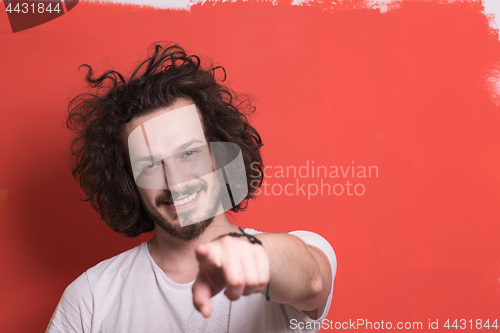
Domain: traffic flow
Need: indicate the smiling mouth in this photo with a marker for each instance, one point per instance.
(183, 202)
(186, 199)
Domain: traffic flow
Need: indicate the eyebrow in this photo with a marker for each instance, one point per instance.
(179, 149)
(186, 145)
(145, 159)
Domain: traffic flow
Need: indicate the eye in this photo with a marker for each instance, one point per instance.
(150, 166)
(189, 153)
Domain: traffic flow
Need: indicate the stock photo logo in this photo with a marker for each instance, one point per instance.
(25, 14)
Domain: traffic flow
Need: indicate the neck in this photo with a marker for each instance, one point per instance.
(176, 257)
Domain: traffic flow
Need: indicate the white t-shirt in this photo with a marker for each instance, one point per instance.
(130, 293)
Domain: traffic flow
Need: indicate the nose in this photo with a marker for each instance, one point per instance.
(175, 176)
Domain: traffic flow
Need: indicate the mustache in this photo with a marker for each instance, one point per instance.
(170, 196)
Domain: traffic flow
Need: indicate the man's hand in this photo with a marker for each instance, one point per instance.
(232, 263)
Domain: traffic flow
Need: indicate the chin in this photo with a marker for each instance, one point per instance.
(172, 226)
(186, 233)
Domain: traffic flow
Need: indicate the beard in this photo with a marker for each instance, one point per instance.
(192, 229)
(186, 233)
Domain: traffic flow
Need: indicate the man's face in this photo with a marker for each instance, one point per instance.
(173, 169)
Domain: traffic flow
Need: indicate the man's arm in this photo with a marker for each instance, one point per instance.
(299, 274)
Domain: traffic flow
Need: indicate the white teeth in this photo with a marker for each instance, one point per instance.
(186, 200)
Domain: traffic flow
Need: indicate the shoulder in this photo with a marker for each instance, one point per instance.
(107, 277)
(75, 308)
(112, 267)
(118, 264)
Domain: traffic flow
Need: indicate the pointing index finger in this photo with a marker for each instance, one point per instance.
(207, 256)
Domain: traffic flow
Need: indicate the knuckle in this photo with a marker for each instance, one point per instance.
(227, 242)
(234, 282)
(252, 281)
(263, 280)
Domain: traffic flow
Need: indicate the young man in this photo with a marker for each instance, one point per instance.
(170, 149)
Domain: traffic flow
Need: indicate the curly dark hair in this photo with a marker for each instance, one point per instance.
(97, 118)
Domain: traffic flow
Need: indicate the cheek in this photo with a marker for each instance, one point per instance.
(148, 196)
(210, 179)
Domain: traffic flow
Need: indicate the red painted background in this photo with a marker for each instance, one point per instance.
(406, 91)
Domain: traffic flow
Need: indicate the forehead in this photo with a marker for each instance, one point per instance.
(166, 128)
